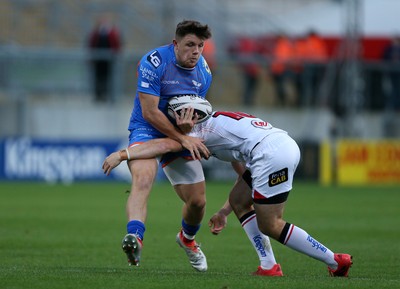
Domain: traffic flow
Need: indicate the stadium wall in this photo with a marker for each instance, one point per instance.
(67, 140)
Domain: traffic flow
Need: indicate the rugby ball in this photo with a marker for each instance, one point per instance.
(201, 106)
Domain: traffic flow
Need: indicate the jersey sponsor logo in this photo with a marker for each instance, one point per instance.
(261, 124)
(278, 177)
(154, 58)
(172, 82)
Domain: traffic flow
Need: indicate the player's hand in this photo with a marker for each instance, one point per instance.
(111, 162)
(196, 147)
(217, 223)
(186, 120)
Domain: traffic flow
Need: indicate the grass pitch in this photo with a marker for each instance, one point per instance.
(56, 236)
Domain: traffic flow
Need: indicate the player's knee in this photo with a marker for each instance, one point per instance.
(143, 181)
(196, 203)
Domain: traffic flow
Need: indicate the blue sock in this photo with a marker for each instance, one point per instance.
(189, 229)
(136, 227)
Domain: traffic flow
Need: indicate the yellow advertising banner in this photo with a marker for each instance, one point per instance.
(368, 162)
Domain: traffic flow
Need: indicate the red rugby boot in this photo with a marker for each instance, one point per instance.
(274, 271)
(344, 263)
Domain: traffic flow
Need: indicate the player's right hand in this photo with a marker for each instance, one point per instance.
(217, 223)
(111, 162)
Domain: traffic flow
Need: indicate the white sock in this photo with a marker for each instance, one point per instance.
(189, 237)
(260, 242)
(299, 240)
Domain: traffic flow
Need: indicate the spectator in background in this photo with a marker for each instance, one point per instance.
(391, 55)
(311, 54)
(246, 51)
(281, 67)
(105, 43)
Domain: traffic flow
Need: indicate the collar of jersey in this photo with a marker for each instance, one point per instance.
(185, 68)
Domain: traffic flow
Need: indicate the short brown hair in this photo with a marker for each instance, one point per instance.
(192, 27)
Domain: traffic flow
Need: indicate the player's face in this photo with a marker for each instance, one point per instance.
(188, 50)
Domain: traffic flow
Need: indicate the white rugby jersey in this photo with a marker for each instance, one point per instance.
(232, 136)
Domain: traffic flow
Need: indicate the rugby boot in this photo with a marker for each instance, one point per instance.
(344, 263)
(196, 257)
(132, 246)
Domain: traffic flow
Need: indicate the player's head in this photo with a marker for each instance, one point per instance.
(192, 27)
(189, 41)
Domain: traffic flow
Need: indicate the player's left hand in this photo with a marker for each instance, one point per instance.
(111, 162)
(217, 223)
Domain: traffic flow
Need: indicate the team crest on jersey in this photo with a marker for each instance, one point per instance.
(261, 124)
(196, 84)
(154, 58)
(278, 177)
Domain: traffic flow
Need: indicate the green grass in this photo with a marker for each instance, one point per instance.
(55, 236)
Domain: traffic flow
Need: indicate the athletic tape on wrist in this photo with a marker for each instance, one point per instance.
(127, 154)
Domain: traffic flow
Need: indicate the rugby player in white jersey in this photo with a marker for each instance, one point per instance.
(271, 157)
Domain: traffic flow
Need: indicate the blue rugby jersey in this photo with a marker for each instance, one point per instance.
(160, 75)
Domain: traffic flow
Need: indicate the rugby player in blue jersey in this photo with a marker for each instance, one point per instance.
(167, 71)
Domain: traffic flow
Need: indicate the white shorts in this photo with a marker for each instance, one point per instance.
(183, 172)
(273, 163)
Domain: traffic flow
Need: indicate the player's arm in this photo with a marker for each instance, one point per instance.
(239, 192)
(147, 150)
(219, 220)
(156, 118)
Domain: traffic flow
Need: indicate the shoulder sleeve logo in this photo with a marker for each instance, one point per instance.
(155, 59)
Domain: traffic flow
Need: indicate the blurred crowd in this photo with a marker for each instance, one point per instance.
(298, 66)
(289, 62)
